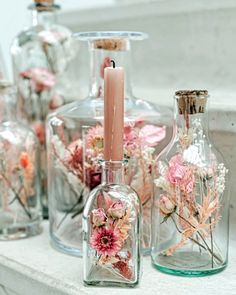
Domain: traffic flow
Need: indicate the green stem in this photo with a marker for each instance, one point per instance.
(71, 210)
(208, 248)
(212, 257)
(192, 239)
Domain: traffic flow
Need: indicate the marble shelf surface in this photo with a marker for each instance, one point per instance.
(33, 267)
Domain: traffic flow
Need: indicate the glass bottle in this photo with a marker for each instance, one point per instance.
(20, 207)
(42, 57)
(75, 143)
(112, 231)
(190, 221)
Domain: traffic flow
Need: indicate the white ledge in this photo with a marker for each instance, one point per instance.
(32, 266)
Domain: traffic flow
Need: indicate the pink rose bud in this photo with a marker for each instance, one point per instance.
(117, 210)
(99, 217)
(166, 205)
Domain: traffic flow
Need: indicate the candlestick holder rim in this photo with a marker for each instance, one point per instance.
(95, 35)
(44, 7)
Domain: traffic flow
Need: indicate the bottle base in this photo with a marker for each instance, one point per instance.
(110, 284)
(57, 245)
(189, 273)
(16, 232)
(187, 264)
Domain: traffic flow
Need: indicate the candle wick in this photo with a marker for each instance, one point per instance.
(113, 63)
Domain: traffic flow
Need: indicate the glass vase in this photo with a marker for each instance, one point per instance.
(75, 144)
(190, 216)
(42, 56)
(20, 207)
(112, 231)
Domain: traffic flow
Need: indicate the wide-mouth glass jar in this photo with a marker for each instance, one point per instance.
(75, 143)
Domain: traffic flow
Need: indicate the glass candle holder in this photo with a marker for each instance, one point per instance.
(190, 221)
(112, 231)
(75, 144)
(20, 207)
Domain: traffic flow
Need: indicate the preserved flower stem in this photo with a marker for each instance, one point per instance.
(72, 209)
(16, 196)
(212, 250)
(201, 236)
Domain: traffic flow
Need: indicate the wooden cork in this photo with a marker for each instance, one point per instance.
(44, 2)
(191, 101)
(111, 44)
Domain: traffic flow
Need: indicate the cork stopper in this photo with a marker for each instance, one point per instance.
(115, 44)
(6, 87)
(44, 5)
(191, 101)
(44, 2)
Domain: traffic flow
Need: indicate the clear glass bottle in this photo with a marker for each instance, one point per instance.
(20, 207)
(42, 57)
(75, 143)
(190, 218)
(112, 231)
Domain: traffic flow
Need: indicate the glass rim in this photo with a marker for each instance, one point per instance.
(193, 93)
(5, 84)
(44, 7)
(103, 162)
(97, 35)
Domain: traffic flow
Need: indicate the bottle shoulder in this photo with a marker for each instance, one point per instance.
(135, 109)
(106, 195)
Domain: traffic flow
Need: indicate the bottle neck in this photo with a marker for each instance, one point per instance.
(99, 59)
(191, 121)
(43, 18)
(113, 172)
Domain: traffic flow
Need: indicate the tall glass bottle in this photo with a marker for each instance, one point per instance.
(75, 143)
(42, 56)
(20, 207)
(190, 221)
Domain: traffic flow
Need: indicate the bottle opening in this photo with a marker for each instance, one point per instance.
(191, 101)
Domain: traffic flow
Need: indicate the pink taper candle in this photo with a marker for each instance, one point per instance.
(113, 113)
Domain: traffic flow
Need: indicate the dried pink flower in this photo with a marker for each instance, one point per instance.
(39, 130)
(105, 241)
(75, 157)
(40, 78)
(106, 63)
(95, 137)
(56, 101)
(166, 205)
(99, 217)
(117, 210)
(124, 269)
(180, 175)
(150, 135)
(130, 138)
